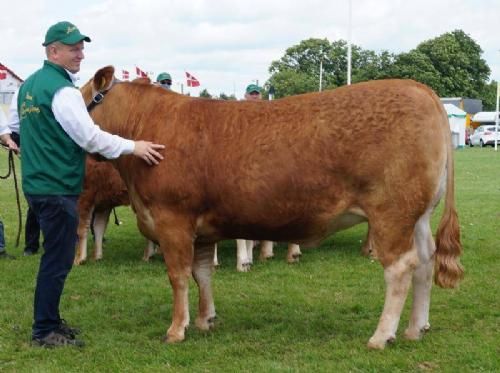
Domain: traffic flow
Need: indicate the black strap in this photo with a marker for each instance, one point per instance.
(96, 100)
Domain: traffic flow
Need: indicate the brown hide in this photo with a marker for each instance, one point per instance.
(376, 147)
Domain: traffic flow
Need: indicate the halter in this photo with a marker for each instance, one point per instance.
(99, 96)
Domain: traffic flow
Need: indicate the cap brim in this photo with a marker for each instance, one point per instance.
(76, 38)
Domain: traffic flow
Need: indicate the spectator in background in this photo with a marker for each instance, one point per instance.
(164, 80)
(253, 92)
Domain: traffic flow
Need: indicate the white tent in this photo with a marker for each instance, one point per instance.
(456, 117)
(484, 117)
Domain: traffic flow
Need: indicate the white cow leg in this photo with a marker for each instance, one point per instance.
(422, 280)
(216, 259)
(398, 278)
(294, 253)
(250, 244)
(101, 219)
(202, 273)
(83, 229)
(266, 250)
(242, 261)
(149, 251)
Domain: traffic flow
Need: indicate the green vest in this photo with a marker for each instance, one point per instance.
(52, 163)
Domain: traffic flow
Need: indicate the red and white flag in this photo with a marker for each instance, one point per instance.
(140, 73)
(191, 80)
(125, 75)
(3, 72)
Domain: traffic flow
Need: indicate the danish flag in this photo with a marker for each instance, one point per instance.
(191, 80)
(125, 75)
(3, 72)
(140, 73)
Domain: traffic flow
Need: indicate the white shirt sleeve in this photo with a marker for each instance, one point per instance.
(13, 121)
(70, 111)
(3, 123)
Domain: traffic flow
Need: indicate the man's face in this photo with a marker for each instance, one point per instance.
(253, 96)
(67, 56)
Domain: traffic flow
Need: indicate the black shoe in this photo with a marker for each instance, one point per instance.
(5, 255)
(28, 252)
(67, 330)
(56, 339)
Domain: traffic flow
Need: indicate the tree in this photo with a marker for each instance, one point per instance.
(204, 93)
(451, 64)
(298, 70)
(223, 96)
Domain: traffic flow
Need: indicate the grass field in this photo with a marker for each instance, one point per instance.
(315, 316)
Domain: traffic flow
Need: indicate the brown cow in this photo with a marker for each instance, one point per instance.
(102, 191)
(316, 162)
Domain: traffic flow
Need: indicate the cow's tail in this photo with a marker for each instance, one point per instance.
(447, 270)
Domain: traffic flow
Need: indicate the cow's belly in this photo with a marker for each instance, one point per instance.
(345, 220)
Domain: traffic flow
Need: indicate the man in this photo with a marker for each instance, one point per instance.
(253, 92)
(56, 130)
(7, 141)
(164, 80)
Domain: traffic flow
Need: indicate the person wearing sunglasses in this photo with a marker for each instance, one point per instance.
(164, 80)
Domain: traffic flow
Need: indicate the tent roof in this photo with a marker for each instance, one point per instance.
(484, 116)
(454, 111)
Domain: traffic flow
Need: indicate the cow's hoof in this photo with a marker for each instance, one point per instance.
(245, 267)
(266, 257)
(169, 339)
(414, 334)
(206, 324)
(379, 344)
(78, 262)
(295, 258)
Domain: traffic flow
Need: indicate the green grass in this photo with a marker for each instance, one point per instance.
(315, 316)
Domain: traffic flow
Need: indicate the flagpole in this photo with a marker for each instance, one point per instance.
(496, 116)
(321, 73)
(349, 51)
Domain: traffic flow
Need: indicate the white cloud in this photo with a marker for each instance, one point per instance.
(227, 44)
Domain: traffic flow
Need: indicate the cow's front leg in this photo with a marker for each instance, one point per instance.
(266, 250)
(202, 273)
(177, 248)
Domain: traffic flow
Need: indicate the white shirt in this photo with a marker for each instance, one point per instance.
(71, 113)
(4, 128)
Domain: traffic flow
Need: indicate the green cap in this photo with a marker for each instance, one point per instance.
(253, 88)
(64, 32)
(163, 76)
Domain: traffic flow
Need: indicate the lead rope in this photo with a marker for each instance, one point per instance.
(12, 169)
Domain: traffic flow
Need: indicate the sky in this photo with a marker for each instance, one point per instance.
(228, 44)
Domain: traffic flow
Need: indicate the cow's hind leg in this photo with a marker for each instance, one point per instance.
(266, 250)
(101, 219)
(243, 262)
(422, 279)
(397, 273)
(202, 273)
(294, 253)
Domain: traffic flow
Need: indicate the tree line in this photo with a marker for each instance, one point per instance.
(451, 64)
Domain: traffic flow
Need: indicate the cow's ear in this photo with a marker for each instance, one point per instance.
(103, 78)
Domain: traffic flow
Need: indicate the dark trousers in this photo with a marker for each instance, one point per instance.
(58, 220)
(32, 232)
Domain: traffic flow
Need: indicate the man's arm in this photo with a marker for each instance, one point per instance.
(71, 113)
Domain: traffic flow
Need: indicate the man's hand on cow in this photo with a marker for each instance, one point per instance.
(148, 151)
